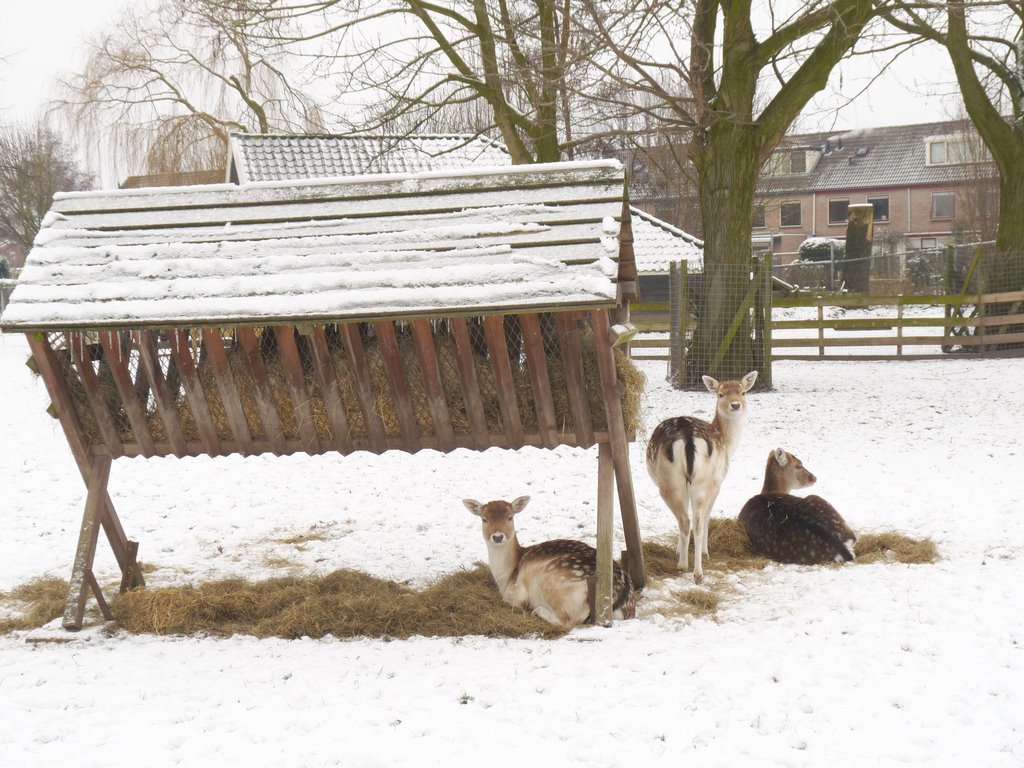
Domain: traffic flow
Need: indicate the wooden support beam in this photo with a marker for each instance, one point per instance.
(166, 400)
(536, 362)
(387, 344)
(466, 363)
(619, 446)
(128, 576)
(90, 579)
(494, 331)
(85, 457)
(82, 360)
(426, 354)
(118, 356)
(229, 397)
(365, 393)
(604, 598)
(296, 378)
(575, 382)
(265, 402)
(78, 588)
(181, 352)
(327, 377)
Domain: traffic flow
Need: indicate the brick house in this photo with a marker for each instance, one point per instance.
(931, 184)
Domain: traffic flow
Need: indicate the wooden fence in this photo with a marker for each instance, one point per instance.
(899, 328)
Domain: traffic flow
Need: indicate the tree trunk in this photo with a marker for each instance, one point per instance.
(727, 166)
(1010, 236)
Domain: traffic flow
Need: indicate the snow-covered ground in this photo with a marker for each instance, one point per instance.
(864, 665)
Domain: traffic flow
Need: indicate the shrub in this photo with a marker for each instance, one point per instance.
(820, 249)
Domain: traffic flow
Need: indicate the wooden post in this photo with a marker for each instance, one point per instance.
(78, 589)
(674, 330)
(899, 325)
(619, 447)
(605, 528)
(821, 328)
(766, 304)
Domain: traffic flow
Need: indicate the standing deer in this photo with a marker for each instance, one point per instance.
(790, 529)
(554, 578)
(688, 459)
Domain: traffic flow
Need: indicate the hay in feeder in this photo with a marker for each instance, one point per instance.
(412, 384)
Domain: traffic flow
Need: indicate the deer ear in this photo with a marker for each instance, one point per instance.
(711, 384)
(474, 506)
(781, 457)
(748, 381)
(519, 504)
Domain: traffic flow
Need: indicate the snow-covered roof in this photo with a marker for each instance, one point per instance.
(264, 157)
(656, 244)
(542, 237)
(271, 157)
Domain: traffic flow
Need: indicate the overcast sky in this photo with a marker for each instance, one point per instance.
(42, 38)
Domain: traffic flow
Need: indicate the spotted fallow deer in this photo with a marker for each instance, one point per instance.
(791, 529)
(551, 579)
(688, 458)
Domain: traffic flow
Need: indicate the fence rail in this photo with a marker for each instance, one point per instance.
(985, 325)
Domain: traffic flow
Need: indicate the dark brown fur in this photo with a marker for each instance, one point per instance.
(791, 529)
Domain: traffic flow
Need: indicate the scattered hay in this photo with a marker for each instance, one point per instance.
(890, 546)
(35, 603)
(727, 543)
(693, 602)
(344, 604)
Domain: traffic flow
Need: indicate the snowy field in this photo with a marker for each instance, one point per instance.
(863, 665)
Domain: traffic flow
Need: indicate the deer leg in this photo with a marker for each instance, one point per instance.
(707, 523)
(701, 513)
(678, 502)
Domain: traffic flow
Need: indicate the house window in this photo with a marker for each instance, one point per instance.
(988, 202)
(928, 243)
(786, 161)
(758, 216)
(798, 161)
(838, 210)
(943, 205)
(791, 214)
(881, 206)
(956, 150)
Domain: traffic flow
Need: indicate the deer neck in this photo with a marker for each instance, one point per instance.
(775, 479)
(504, 560)
(729, 430)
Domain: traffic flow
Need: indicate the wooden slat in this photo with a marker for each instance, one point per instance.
(327, 377)
(533, 345)
(605, 598)
(466, 363)
(494, 331)
(266, 405)
(620, 449)
(165, 400)
(86, 456)
(181, 350)
(97, 402)
(375, 433)
(426, 353)
(387, 344)
(117, 358)
(293, 372)
(78, 586)
(575, 382)
(390, 444)
(229, 396)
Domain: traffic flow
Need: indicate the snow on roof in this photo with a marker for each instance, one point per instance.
(266, 157)
(478, 240)
(263, 157)
(656, 244)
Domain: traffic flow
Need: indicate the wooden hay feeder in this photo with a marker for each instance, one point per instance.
(467, 310)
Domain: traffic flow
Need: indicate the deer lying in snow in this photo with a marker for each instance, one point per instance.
(688, 459)
(550, 578)
(790, 529)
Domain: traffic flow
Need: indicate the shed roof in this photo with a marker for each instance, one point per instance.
(282, 157)
(542, 237)
(266, 157)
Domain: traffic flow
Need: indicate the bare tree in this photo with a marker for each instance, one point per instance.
(415, 65)
(166, 87)
(35, 163)
(985, 42)
(743, 80)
